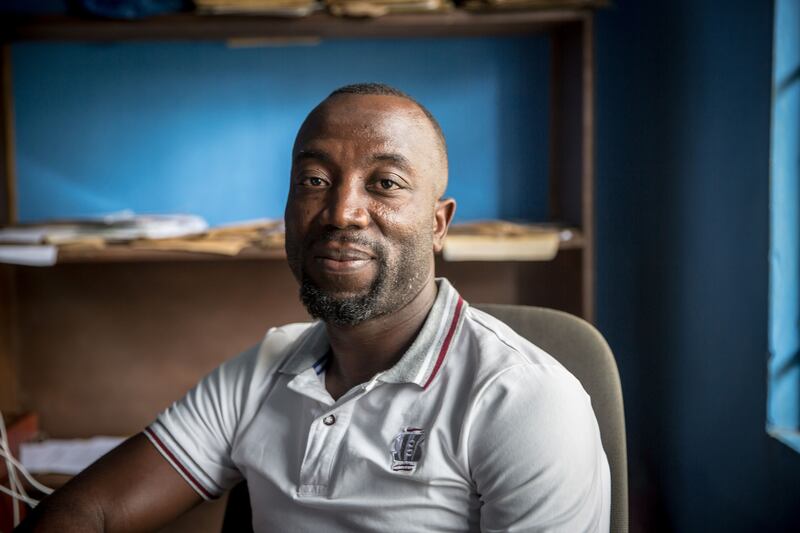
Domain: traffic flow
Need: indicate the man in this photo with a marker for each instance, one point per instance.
(400, 409)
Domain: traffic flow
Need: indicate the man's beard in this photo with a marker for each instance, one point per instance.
(394, 286)
(342, 311)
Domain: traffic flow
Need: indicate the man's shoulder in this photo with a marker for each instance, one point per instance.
(496, 343)
(517, 380)
(492, 348)
(279, 340)
(266, 357)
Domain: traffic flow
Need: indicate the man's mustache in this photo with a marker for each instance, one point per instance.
(342, 236)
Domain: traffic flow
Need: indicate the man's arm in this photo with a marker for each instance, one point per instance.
(136, 488)
(536, 456)
(132, 488)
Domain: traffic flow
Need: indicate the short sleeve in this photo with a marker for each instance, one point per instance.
(535, 454)
(195, 434)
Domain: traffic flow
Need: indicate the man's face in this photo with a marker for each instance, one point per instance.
(361, 216)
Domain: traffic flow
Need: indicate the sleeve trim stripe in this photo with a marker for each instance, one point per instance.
(173, 445)
(167, 453)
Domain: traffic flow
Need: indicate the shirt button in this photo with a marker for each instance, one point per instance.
(329, 420)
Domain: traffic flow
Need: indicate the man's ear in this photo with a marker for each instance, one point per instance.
(442, 216)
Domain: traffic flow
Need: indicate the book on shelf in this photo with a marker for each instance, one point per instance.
(117, 227)
(497, 240)
(379, 8)
(273, 8)
(38, 244)
(229, 239)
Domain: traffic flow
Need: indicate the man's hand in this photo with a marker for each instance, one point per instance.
(132, 488)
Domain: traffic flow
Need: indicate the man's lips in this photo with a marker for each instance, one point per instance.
(341, 258)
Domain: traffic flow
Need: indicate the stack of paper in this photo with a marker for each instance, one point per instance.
(378, 8)
(501, 241)
(120, 227)
(36, 244)
(28, 254)
(224, 240)
(277, 8)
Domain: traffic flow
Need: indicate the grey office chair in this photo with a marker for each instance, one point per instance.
(582, 350)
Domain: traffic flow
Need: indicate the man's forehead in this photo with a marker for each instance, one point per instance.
(355, 106)
(377, 119)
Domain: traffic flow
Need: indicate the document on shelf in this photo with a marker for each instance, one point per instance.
(65, 456)
(120, 227)
(499, 240)
(28, 254)
(22, 234)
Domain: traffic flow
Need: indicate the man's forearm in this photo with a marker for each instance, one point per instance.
(67, 511)
(132, 488)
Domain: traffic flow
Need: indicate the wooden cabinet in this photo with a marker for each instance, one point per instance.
(101, 342)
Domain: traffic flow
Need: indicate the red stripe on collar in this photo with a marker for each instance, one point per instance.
(446, 343)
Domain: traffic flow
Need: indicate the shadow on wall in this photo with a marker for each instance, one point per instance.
(683, 173)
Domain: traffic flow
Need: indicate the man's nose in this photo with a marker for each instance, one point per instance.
(347, 206)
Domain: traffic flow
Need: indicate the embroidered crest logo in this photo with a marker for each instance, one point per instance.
(406, 450)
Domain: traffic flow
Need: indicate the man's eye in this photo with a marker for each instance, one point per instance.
(313, 181)
(387, 184)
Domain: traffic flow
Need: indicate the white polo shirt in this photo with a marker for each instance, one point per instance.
(474, 429)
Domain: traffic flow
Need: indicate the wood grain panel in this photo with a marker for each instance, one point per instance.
(548, 283)
(187, 26)
(105, 347)
(9, 378)
(7, 167)
(572, 143)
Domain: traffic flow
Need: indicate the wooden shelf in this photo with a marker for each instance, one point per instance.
(189, 26)
(125, 254)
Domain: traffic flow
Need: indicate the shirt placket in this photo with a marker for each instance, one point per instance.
(324, 440)
(327, 431)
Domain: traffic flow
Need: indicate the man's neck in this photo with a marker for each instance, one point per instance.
(361, 351)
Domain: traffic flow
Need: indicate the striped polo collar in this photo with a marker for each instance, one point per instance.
(424, 358)
(421, 362)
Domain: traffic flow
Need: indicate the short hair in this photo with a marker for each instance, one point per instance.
(381, 89)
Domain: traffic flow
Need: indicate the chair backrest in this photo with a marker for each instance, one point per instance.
(583, 351)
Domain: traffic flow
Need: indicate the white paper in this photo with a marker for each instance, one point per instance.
(62, 456)
(30, 255)
(122, 226)
(22, 234)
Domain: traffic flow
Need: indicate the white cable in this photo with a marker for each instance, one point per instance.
(15, 486)
(12, 480)
(12, 475)
(17, 490)
(41, 488)
(5, 451)
(17, 496)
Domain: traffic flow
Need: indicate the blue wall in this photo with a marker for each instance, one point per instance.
(683, 177)
(202, 128)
